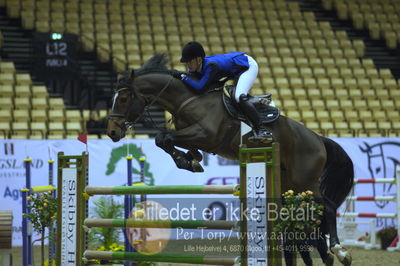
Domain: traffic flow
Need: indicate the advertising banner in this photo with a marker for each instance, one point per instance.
(257, 252)
(107, 167)
(372, 158)
(68, 216)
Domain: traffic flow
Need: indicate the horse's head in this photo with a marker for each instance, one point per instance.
(128, 106)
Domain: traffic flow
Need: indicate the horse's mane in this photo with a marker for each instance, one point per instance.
(156, 63)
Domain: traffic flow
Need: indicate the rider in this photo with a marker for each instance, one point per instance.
(212, 68)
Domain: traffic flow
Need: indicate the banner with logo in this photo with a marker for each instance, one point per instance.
(107, 167)
(372, 158)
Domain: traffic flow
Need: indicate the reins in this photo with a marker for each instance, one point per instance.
(147, 106)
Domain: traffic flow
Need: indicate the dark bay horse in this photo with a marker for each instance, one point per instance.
(308, 161)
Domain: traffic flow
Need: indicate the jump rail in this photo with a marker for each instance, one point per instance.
(176, 258)
(376, 180)
(372, 198)
(395, 215)
(124, 223)
(124, 190)
(367, 215)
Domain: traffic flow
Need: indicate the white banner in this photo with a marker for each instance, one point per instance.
(372, 158)
(69, 217)
(256, 197)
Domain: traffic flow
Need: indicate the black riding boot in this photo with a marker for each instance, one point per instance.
(251, 113)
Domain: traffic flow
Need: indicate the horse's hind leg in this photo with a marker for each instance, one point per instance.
(336, 183)
(341, 253)
(305, 255)
(322, 248)
(290, 256)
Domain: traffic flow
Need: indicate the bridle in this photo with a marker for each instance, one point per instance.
(122, 85)
(117, 115)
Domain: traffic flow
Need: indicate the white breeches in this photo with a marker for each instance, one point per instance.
(247, 78)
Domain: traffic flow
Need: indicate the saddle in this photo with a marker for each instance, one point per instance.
(267, 113)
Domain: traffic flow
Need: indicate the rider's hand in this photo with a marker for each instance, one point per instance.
(178, 74)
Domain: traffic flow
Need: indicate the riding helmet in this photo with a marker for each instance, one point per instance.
(192, 50)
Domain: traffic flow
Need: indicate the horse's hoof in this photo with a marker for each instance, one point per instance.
(342, 254)
(347, 261)
(329, 260)
(196, 155)
(196, 166)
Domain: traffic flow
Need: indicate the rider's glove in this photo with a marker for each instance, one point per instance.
(178, 74)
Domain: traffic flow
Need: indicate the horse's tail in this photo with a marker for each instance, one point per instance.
(337, 179)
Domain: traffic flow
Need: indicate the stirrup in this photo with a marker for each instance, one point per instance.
(262, 136)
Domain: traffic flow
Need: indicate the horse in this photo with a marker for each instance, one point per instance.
(308, 161)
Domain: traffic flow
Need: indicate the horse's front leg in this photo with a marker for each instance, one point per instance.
(194, 155)
(188, 161)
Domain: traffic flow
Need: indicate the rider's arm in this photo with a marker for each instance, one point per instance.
(206, 79)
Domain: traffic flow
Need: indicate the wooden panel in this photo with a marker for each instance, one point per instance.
(6, 218)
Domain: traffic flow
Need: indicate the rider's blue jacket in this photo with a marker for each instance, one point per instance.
(219, 66)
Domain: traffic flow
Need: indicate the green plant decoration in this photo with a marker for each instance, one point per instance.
(387, 235)
(43, 212)
(106, 238)
(300, 214)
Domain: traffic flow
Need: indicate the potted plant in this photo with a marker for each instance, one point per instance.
(43, 208)
(306, 219)
(106, 238)
(387, 235)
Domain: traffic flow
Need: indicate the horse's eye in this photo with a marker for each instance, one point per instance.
(123, 99)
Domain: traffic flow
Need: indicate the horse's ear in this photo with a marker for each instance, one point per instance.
(132, 74)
